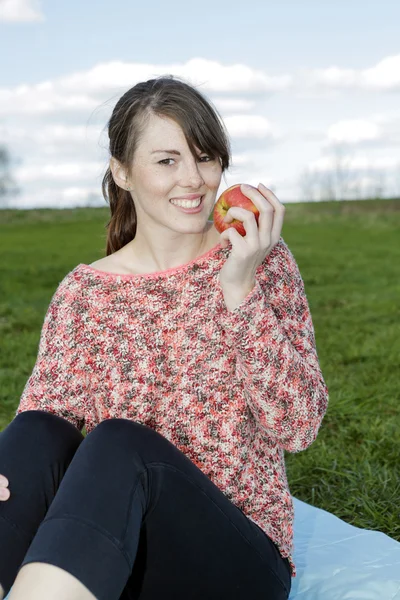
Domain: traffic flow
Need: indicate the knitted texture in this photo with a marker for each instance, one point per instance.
(231, 389)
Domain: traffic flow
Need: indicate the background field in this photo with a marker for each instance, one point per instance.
(349, 257)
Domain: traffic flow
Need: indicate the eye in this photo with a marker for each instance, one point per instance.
(164, 162)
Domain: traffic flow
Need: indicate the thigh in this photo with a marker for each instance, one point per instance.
(194, 542)
(36, 449)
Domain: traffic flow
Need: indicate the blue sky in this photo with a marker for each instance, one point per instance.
(303, 87)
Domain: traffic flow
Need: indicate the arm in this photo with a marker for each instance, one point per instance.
(58, 382)
(272, 335)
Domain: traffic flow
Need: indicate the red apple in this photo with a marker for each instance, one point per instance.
(232, 197)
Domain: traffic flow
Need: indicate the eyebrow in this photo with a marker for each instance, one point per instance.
(169, 152)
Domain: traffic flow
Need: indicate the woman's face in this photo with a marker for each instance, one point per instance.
(157, 177)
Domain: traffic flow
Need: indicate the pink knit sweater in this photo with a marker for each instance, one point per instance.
(231, 389)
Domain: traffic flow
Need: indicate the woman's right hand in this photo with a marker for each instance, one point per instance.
(4, 491)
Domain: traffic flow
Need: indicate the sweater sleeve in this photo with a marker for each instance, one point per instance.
(58, 380)
(272, 335)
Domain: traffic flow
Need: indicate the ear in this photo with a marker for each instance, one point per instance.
(119, 173)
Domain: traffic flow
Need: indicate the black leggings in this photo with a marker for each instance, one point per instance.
(128, 514)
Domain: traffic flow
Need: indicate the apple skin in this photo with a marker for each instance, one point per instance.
(232, 197)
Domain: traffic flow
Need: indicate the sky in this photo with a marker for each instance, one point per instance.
(309, 90)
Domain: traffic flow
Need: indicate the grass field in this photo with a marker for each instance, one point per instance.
(349, 257)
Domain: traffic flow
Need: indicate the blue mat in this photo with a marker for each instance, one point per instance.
(337, 561)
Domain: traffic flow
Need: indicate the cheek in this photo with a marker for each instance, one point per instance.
(214, 178)
(157, 181)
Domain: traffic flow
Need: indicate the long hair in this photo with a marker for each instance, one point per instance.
(164, 96)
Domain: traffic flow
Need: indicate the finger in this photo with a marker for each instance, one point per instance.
(232, 236)
(4, 494)
(240, 214)
(271, 214)
(257, 197)
(279, 213)
(3, 481)
(270, 196)
(266, 210)
(247, 218)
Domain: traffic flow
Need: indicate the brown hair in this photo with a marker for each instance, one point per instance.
(164, 96)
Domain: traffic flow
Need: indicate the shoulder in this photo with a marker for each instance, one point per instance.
(68, 294)
(103, 264)
(116, 263)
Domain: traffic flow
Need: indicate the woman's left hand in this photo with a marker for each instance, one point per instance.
(248, 252)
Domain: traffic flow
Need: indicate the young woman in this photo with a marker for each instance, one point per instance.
(190, 358)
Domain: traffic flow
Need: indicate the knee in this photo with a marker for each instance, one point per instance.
(40, 425)
(124, 435)
(42, 420)
(118, 428)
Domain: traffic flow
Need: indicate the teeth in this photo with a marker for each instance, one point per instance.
(187, 203)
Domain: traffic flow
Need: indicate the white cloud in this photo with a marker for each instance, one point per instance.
(334, 77)
(20, 11)
(228, 105)
(101, 86)
(50, 197)
(86, 90)
(355, 163)
(59, 172)
(353, 131)
(384, 76)
(374, 131)
(58, 133)
(250, 126)
(219, 78)
(207, 75)
(43, 99)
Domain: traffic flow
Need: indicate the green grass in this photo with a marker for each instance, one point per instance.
(349, 257)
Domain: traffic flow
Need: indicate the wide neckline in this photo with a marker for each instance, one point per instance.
(106, 274)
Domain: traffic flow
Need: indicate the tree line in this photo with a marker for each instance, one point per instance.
(8, 187)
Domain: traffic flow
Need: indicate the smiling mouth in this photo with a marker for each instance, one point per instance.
(187, 203)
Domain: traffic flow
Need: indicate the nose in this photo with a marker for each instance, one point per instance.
(191, 175)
